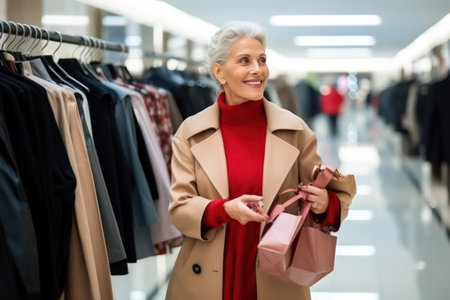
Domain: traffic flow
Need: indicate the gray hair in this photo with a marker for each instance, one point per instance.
(223, 39)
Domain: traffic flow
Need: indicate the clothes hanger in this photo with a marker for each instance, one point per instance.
(6, 55)
(57, 69)
(107, 69)
(37, 39)
(51, 75)
(18, 55)
(10, 33)
(85, 70)
(126, 75)
(90, 50)
(3, 62)
(10, 56)
(101, 69)
(25, 39)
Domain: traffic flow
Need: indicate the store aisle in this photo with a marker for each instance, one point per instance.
(391, 247)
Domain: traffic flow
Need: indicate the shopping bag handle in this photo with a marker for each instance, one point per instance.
(323, 175)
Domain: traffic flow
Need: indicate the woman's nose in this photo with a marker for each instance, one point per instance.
(255, 67)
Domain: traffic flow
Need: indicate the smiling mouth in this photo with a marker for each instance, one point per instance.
(253, 82)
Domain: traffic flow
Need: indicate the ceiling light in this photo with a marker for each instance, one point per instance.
(334, 40)
(338, 52)
(325, 20)
(356, 163)
(64, 20)
(159, 13)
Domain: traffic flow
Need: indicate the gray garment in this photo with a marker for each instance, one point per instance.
(144, 245)
(113, 240)
(144, 211)
(39, 70)
(287, 94)
(175, 116)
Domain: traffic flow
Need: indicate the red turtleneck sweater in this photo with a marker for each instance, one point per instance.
(243, 129)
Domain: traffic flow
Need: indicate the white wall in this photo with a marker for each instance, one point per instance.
(3, 9)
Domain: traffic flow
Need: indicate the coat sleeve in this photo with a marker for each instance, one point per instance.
(344, 187)
(186, 207)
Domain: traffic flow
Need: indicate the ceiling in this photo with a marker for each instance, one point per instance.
(402, 20)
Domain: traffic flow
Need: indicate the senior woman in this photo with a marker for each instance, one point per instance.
(229, 162)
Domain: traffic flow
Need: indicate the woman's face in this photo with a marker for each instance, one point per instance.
(245, 72)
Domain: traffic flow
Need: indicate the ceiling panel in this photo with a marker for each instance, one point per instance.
(402, 20)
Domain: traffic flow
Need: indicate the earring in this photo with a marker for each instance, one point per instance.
(222, 81)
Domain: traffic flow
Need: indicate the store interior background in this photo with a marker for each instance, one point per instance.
(175, 33)
(412, 41)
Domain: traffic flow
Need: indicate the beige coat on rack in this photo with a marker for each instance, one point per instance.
(88, 267)
(200, 175)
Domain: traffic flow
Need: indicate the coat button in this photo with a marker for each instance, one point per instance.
(197, 269)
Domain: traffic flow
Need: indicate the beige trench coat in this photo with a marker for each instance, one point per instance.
(200, 175)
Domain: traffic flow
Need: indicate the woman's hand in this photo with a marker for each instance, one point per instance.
(245, 209)
(318, 197)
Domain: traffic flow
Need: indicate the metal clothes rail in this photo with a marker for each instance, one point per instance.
(32, 31)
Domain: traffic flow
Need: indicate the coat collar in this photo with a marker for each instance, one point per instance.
(277, 119)
(279, 158)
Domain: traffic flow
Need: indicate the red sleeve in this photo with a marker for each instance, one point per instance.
(331, 218)
(214, 215)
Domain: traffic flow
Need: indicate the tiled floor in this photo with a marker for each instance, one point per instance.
(391, 247)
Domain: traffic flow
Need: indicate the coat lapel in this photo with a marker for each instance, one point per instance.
(278, 161)
(210, 154)
(280, 156)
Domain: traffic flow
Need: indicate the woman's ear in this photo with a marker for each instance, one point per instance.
(217, 71)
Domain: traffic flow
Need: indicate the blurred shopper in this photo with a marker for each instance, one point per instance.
(331, 103)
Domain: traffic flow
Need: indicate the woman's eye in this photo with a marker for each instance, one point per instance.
(262, 60)
(244, 60)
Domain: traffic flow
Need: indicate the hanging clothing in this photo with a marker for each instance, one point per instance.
(113, 241)
(46, 174)
(18, 244)
(287, 95)
(308, 99)
(111, 156)
(158, 110)
(191, 96)
(435, 134)
(88, 257)
(163, 231)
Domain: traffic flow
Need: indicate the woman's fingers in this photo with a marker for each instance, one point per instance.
(256, 207)
(318, 197)
(246, 208)
(312, 190)
(251, 198)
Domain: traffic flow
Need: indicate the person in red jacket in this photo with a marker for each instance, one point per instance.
(331, 102)
(229, 162)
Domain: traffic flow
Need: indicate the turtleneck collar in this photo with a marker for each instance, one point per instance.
(246, 113)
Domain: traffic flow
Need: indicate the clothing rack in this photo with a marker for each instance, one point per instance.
(10, 27)
(165, 56)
